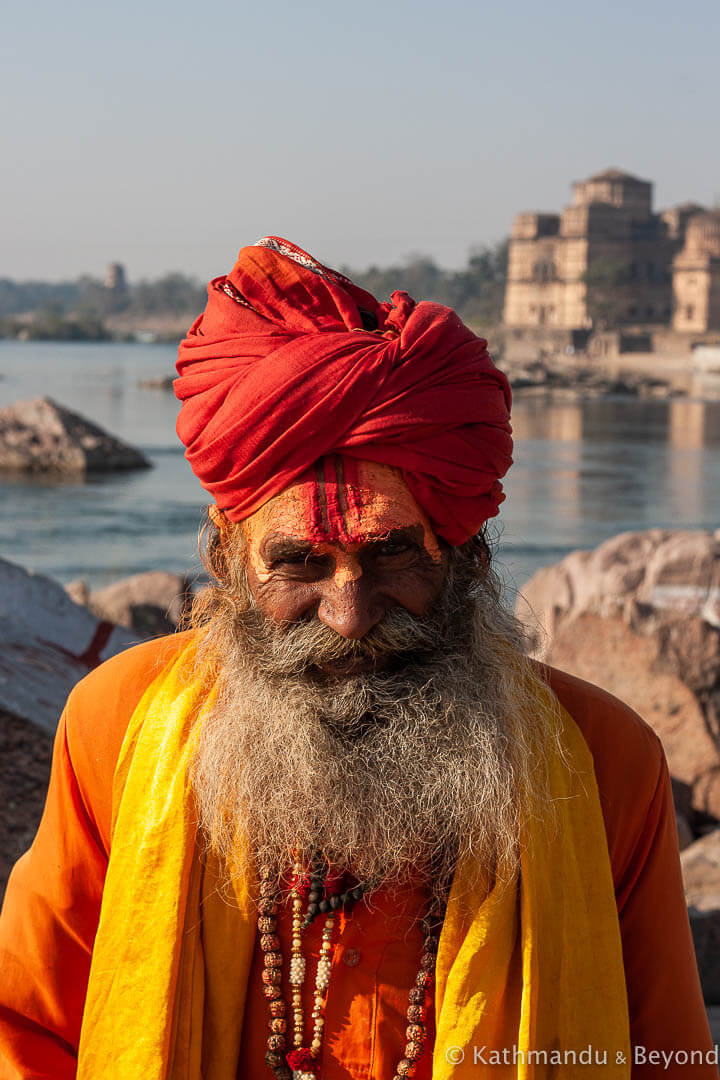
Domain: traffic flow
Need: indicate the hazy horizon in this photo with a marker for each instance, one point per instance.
(166, 138)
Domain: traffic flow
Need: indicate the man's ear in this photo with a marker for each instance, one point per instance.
(218, 518)
(231, 535)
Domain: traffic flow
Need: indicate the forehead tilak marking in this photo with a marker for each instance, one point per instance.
(341, 501)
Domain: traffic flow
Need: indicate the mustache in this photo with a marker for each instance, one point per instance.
(292, 649)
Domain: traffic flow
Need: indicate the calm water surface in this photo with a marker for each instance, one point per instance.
(583, 471)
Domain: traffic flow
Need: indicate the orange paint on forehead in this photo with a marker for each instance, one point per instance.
(340, 502)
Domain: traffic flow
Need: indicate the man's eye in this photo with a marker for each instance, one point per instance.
(298, 560)
(393, 549)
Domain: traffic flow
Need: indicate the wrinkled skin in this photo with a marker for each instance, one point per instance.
(386, 556)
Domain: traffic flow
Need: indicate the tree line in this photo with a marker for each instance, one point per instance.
(476, 292)
(78, 309)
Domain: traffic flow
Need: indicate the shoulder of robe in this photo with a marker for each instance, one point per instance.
(117, 684)
(99, 709)
(629, 762)
(607, 723)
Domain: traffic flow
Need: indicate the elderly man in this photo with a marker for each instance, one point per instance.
(343, 828)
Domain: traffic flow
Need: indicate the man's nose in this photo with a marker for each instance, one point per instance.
(351, 610)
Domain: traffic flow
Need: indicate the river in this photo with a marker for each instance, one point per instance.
(583, 471)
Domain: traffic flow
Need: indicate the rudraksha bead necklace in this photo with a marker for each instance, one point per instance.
(302, 1062)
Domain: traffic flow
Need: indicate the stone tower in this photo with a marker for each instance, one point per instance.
(696, 275)
(115, 279)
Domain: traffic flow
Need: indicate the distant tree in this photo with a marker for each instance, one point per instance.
(94, 300)
(20, 297)
(173, 294)
(476, 292)
(419, 275)
(480, 289)
(50, 324)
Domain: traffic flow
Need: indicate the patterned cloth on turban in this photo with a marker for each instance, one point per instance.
(292, 362)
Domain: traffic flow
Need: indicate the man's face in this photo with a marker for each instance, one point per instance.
(363, 680)
(381, 554)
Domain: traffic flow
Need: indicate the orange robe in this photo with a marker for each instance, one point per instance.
(53, 901)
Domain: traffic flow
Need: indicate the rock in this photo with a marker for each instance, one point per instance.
(682, 797)
(705, 926)
(685, 815)
(25, 756)
(152, 604)
(706, 793)
(163, 382)
(47, 643)
(652, 598)
(679, 571)
(701, 872)
(40, 436)
(685, 834)
(78, 591)
(584, 381)
(714, 1020)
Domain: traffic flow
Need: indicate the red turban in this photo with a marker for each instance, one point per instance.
(292, 361)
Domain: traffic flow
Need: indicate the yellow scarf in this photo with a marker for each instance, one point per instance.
(534, 977)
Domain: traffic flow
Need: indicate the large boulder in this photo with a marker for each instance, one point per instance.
(682, 797)
(40, 436)
(47, 643)
(161, 382)
(25, 755)
(705, 926)
(701, 874)
(152, 604)
(640, 616)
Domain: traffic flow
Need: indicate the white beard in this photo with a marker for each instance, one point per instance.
(393, 775)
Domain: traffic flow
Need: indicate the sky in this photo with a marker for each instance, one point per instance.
(167, 136)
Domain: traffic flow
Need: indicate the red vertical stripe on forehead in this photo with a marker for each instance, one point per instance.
(330, 494)
(341, 481)
(343, 501)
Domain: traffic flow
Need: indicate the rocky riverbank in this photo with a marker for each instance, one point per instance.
(588, 381)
